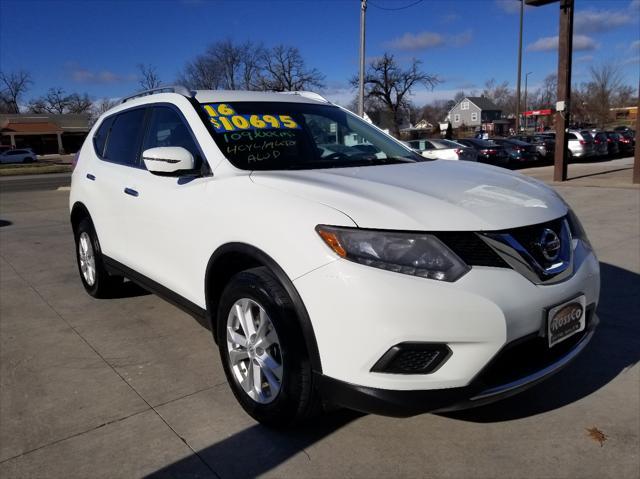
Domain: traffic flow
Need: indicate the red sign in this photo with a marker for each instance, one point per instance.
(538, 112)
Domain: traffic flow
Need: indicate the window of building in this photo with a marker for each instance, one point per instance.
(464, 105)
(456, 118)
(474, 116)
(124, 140)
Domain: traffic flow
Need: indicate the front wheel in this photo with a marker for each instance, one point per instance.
(263, 352)
(95, 278)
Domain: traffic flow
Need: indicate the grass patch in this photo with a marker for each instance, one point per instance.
(33, 169)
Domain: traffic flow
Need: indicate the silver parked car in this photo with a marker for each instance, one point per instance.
(580, 143)
(23, 155)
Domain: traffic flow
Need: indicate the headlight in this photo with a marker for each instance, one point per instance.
(577, 231)
(417, 254)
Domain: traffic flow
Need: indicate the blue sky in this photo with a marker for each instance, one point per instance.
(94, 46)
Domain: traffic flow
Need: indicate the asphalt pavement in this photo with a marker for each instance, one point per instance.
(133, 387)
(49, 181)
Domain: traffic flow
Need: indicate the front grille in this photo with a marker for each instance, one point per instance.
(529, 237)
(528, 355)
(471, 249)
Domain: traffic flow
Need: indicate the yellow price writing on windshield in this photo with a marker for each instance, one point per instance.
(232, 122)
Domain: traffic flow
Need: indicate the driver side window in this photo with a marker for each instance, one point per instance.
(167, 128)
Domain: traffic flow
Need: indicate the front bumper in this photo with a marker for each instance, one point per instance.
(481, 391)
(358, 313)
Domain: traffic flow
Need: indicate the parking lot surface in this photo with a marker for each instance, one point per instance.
(132, 387)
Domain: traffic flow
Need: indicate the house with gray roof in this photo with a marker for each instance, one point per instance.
(473, 111)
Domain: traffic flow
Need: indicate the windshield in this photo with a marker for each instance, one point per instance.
(288, 136)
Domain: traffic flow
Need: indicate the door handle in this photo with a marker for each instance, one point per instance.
(91, 177)
(131, 191)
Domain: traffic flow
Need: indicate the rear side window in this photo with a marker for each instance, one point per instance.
(124, 140)
(167, 128)
(571, 136)
(100, 137)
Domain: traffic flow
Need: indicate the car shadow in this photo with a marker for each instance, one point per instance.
(256, 450)
(614, 348)
(129, 289)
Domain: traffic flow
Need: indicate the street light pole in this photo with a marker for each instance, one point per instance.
(519, 68)
(526, 79)
(363, 10)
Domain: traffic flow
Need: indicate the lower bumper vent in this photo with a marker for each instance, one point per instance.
(412, 358)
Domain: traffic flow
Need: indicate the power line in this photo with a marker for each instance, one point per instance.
(397, 8)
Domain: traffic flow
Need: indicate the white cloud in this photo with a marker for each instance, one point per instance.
(635, 45)
(418, 41)
(425, 40)
(631, 61)
(461, 39)
(103, 77)
(547, 44)
(585, 59)
(590, 21)
(453, 17)
(508, 6)
(634, 5)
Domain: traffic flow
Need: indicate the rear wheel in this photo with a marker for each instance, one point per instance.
(263, 352)
(95, 278)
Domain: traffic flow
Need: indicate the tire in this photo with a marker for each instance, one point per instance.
(95, 278)
(291, 400)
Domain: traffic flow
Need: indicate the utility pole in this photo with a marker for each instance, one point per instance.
(563, 107)
(519, 69)
(363, 10)
(636, 161)
(526, 79)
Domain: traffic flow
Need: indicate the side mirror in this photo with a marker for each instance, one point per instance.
(168, 160)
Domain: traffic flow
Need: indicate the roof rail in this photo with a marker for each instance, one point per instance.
(162, 89)
(307, 94)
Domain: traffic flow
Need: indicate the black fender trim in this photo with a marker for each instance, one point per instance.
(263, 258)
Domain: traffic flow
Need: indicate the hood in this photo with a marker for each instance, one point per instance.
(427, 196)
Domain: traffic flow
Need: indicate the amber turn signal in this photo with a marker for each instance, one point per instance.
(332, 241)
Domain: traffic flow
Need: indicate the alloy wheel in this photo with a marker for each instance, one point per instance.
(255, 356)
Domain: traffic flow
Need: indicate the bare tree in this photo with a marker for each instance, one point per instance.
(149, 78)
(249, 66)
(77, 103)
(252, 65)
(13, 86)
(56, 101)
(391, 85)
(201, 74)
(436, 111)
(501, 95)
(545, 96)
(285, 70)
(461, 95)
(602, 88)
(100, 107)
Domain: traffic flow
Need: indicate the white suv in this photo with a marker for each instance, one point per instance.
(332, 261)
